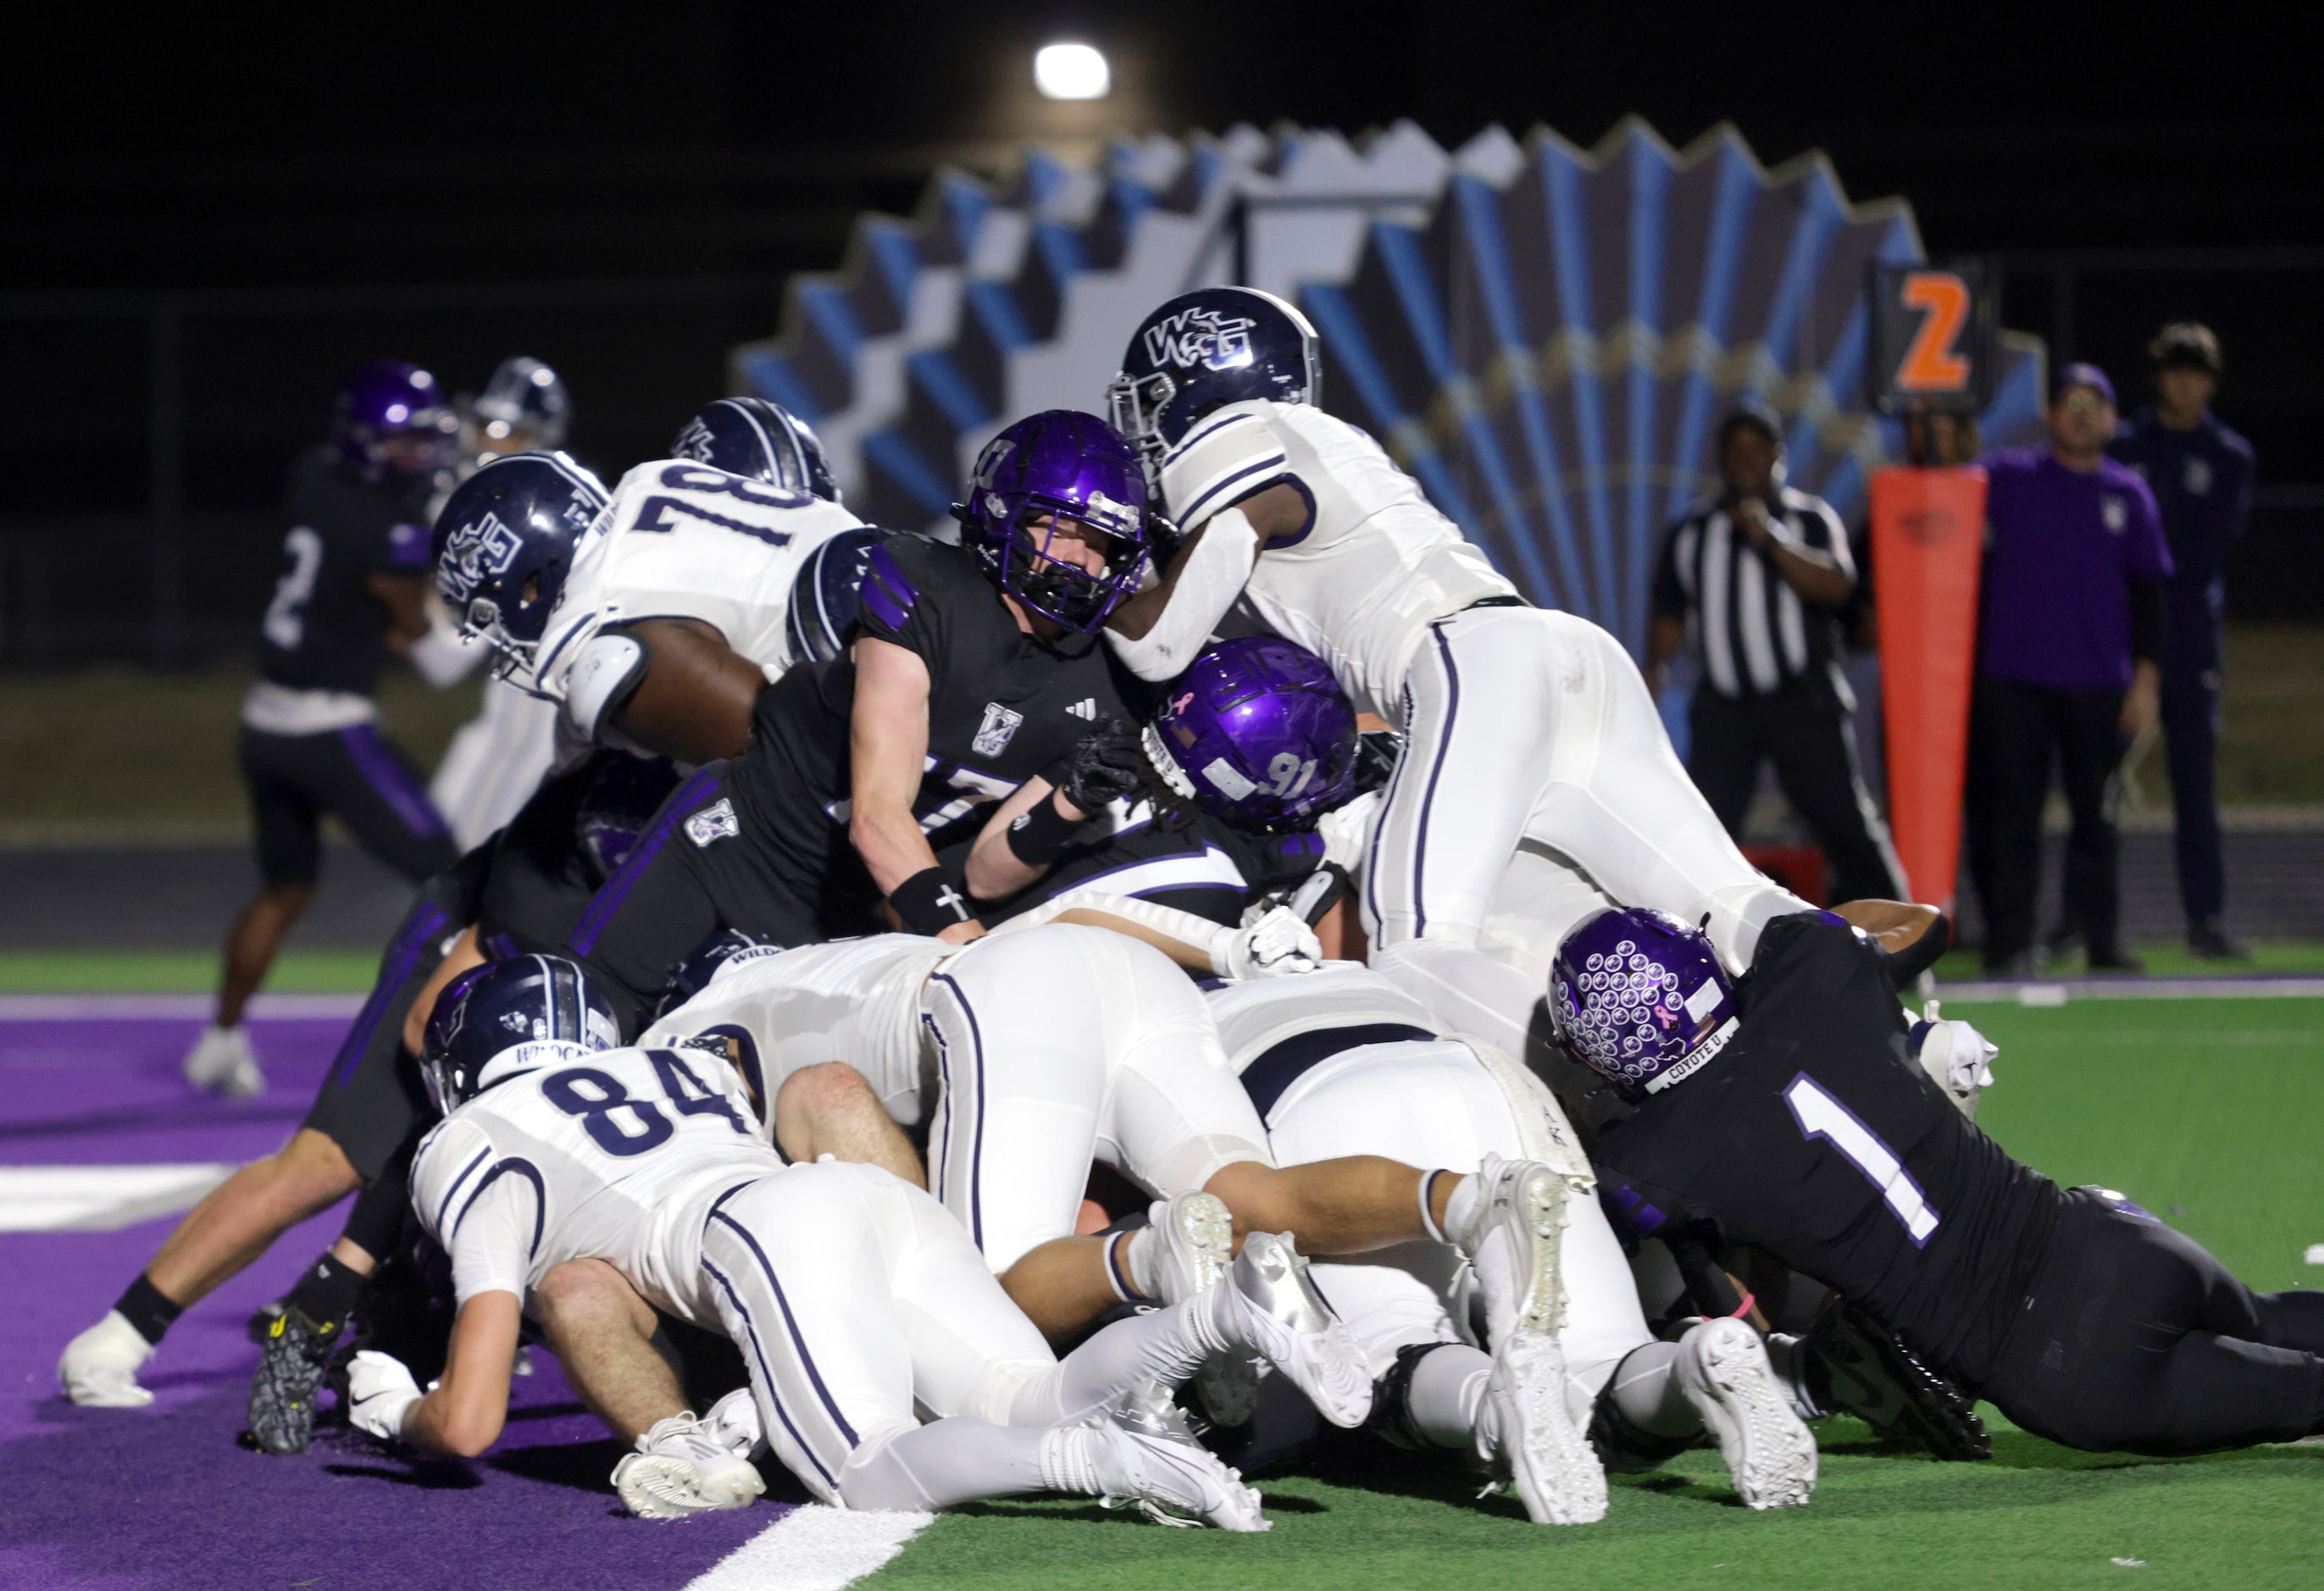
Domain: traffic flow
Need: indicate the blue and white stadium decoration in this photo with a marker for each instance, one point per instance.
(1544, 336)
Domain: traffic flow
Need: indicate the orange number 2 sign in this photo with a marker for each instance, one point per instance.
(1934, 363)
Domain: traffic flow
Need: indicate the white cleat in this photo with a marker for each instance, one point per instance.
(98, 1368)
(1512, 1239)
(1526, 1435)
(1169, 1482)
(682, 1468)
(1273, 1310)
(1193, 1250)
(1771, 1455)
(733, 1424)
(222, 1063)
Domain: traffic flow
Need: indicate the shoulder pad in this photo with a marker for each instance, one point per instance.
(889, 594)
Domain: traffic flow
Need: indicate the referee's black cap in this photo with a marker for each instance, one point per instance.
(1755, 414)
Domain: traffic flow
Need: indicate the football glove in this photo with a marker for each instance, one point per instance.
(380, 1395)
(1956, 1057)
(1105, 765)
(1278, 945)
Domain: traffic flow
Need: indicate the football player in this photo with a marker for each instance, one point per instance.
(855, 1301)
(349, 596)
(1520, 724)
(975, 668)
(520, 892)
(1342, 1062)
(1782, 1111)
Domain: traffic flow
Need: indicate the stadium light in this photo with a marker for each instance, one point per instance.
(1072, 71)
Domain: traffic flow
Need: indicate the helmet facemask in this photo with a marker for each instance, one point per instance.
(1053, 584)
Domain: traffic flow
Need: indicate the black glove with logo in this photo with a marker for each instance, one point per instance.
(1105, 765)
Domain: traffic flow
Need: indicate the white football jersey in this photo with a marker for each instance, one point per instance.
(683, 540)
(852, 1000)
(1377, 564)
(1254, 1014)
(614, 1156)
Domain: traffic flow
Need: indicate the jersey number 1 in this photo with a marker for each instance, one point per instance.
(1821, 1116)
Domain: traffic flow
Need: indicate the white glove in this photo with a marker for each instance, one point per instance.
(1277, 944)
(1956, 1057)
(380, 1393)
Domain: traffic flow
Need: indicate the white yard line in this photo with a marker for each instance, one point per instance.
(169, 1007)
(813, 1548)
(2048, 993)
(99, 1198)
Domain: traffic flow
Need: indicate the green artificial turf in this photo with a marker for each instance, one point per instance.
(2205, 1111)
(56, 972)
(2163, 959)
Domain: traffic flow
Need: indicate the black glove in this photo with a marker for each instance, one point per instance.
(1104, 765)
(1377, 752)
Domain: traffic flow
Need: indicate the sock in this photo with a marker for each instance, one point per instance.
(1165, 1346)
(1129, 1265)
(144, 1307)
(1428, 1181)
(926, 1468)
(1461, 1210)
(1645, 1388)
(1446, 1391)
(325, 1295)
(1796, 1367)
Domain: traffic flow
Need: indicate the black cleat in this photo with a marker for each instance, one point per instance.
(261, 1324)
(290, 1371)
(1863, 1368)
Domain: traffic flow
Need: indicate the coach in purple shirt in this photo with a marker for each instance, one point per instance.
(2068, 645)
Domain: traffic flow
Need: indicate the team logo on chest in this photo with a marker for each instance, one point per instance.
(999, 727)
(2196, 478)
(714, 823)
(2114, 513)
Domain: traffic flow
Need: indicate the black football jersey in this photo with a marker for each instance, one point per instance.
(1816, 1137)
(324, 629)
(540, 878)
(1200, 866)
(1002, 706)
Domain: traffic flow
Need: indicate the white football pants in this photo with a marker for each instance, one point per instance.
(1523, 724)
(857, 1302)
(496, 760)
(1434, 1104)
(1064, 1045)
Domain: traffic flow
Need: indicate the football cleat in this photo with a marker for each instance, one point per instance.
(1525, 1434)
(683, 1467)
(1271, 1308)
(1855, 1365)
(1168, 1481)
(1771, 1455)
(1512, 1237)
(1192, 1249)
(222, 1063)
(734, 1420)
(261, 1324)
(98, 1368)
(1149, 1409)
(290, 1369)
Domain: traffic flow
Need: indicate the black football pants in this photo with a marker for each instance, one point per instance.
(2192, 653)
(2136, 1341)
(1805, 731)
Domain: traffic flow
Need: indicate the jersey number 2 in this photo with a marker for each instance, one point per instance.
(1821, 1116)
(286, 616)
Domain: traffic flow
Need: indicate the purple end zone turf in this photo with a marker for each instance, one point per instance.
(110, 1500)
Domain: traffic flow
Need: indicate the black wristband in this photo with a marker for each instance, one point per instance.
(930, 901)
(1040, 834)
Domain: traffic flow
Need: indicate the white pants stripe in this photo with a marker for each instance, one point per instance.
(1528, 725)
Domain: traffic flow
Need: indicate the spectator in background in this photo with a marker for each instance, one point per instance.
(1759, 575)
(2068, 645)
(2201, 473)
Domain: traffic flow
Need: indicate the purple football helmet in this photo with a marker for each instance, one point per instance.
(1058, 464)
(1257, 734)
(392, 419)
(1640, 998)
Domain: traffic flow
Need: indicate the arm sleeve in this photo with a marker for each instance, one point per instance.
(1229, 454)
(1213, 576)
(2146, 618)
(485, 1209)
(895, 607)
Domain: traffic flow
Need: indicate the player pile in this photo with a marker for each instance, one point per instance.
(723, 1136)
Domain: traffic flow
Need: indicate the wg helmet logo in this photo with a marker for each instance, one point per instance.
(483, 549)
(1203, 337)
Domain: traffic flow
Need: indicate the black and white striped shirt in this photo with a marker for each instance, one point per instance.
(1756, 634)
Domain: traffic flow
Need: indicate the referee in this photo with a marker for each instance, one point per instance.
(1759, 575)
